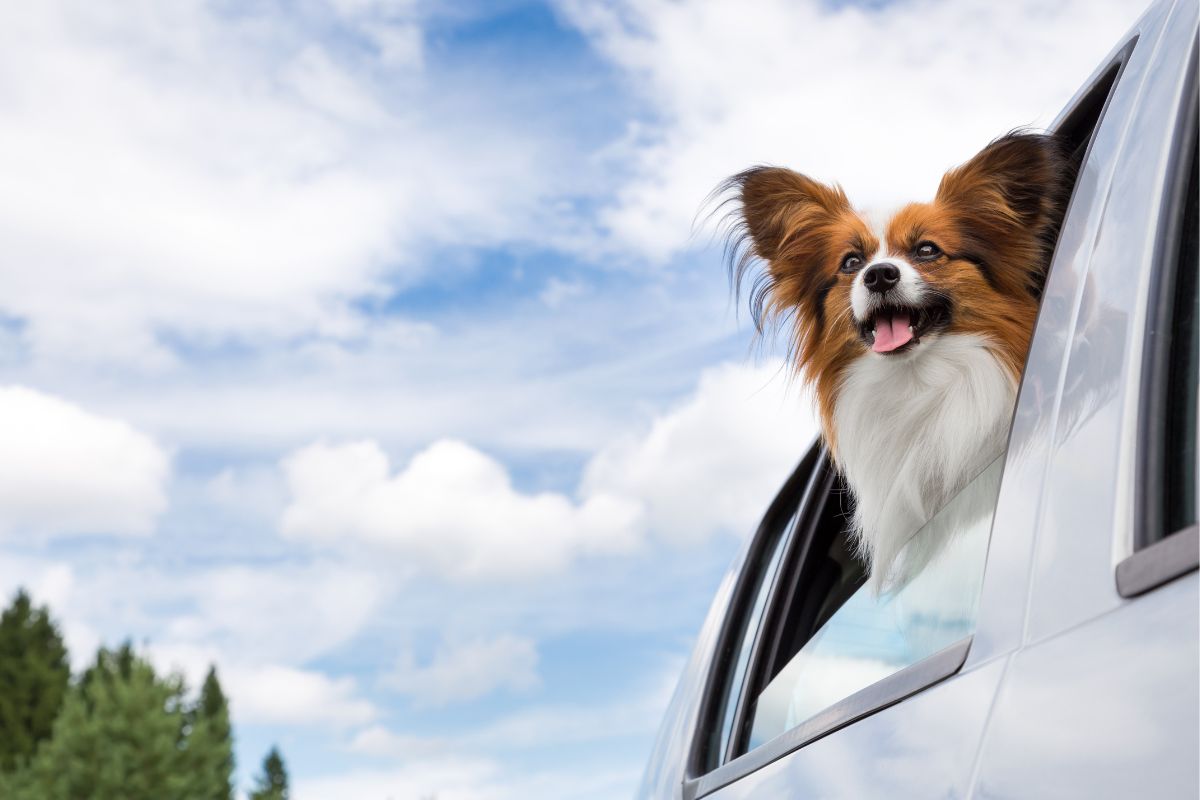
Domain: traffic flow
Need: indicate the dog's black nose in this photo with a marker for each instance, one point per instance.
(881, 277)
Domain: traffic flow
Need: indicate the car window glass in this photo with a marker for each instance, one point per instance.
(872, 636)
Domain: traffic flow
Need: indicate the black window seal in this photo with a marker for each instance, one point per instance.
(796, 553)
(1080, 109)
(789, 502)
(896, 687)
(1154, 563)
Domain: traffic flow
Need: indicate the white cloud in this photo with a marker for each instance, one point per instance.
(452, 508)
(882, 100)
(534, 726)
(389, 25)
(378, 740)
(550, 385)
(293, 696)
(278, 613)
(254, 490)
(270, 693)
(64, 470)
(215, 175)
(463, 671)
(271, 613)
(491, 759)
(714, 463)
(444, 779)
(260, 692)
(557, 291)
(708, 466)
(258, 626)
(473, 778)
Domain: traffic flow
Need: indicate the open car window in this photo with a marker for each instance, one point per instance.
(876, 635)
(816, 646)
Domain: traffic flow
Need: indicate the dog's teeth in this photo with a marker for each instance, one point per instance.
(910, 328)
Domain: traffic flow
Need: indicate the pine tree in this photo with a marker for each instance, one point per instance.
(210, 743)
(273, 782)
(120, 736)
(33, 679)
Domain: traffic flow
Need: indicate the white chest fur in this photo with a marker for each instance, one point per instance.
(912, 430)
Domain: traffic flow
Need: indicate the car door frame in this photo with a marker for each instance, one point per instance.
(879, 696)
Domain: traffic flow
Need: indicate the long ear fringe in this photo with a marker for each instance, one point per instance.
(738, 253)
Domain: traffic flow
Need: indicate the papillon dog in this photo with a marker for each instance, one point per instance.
(912, 328)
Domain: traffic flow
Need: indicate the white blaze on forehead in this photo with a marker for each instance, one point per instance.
(911, 289)
(877, 220)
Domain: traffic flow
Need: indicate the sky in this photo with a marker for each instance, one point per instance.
(381, 352)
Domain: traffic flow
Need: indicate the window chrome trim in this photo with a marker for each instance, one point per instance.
(863, 703)
(1159, 563)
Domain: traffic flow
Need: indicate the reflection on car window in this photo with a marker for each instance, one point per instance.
(872, 636)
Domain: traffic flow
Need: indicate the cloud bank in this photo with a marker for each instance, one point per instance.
(880, 97)
(710, 465)
(64, 470)
(452, 509)
(174, 171)
(464, 671)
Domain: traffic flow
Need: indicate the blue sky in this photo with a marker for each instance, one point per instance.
(368, 348)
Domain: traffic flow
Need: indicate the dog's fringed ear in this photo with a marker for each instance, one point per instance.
(1017, 185)
(777, 204)
(782, 218)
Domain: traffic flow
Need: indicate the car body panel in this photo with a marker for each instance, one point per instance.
(921, 748)
(1106, 709)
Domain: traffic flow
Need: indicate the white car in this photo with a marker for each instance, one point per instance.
(1054, 650)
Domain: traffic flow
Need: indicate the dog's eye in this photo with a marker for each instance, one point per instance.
(928, 250)
(851, 262)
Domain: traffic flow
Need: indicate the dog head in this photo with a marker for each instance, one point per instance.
(971, 261)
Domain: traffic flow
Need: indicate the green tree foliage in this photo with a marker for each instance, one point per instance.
(125, 733)
(33, 679)
(273, 782)
(118, 737)
(119, 732)
(210, 742)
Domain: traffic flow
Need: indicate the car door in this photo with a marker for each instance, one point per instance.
(1101, 699)
(910, 729)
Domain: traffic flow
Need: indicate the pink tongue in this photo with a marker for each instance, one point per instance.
(891, 331)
